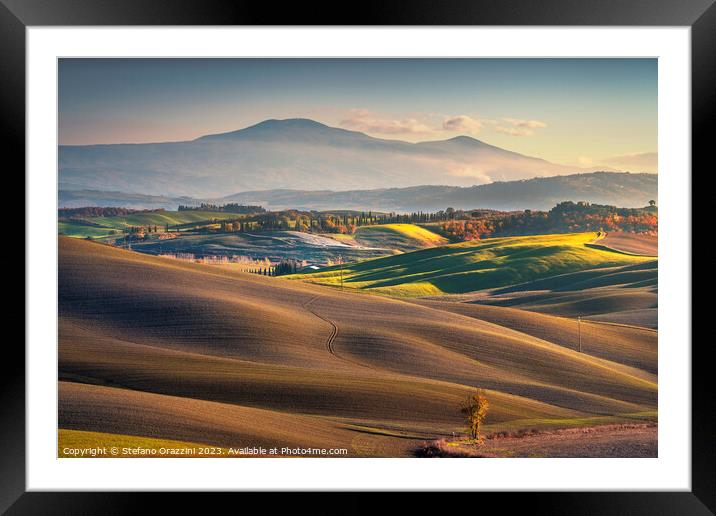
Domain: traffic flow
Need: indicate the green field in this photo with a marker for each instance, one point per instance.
(80, 230)
(98, 227)
(476, 265)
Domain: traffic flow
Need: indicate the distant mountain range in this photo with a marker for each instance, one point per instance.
(297, 154)
(617, 189)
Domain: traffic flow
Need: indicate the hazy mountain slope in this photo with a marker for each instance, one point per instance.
(612, 188)
(296, 154)
(81, 198)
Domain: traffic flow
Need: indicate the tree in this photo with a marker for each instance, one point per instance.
(652, 202)
(475, 409)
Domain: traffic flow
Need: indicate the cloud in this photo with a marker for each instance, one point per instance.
(369, 122)
(517, 127)
(463, 123)
(419, 124)
(433, 124)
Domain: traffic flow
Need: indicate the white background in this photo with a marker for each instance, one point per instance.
(670, 471)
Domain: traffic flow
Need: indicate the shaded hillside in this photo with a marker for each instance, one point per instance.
(633, 346)
(622, 295)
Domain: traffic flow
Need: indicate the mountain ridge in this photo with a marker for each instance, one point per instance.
(622, 189)
(291, 153)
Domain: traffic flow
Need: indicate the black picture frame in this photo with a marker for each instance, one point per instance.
(17, 15)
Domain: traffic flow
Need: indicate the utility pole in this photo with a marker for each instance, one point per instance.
(340, 260)
(579, 331)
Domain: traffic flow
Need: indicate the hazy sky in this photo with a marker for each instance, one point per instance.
(572, 111)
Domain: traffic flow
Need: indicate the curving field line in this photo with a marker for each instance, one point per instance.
(334, 326)
(332, 337)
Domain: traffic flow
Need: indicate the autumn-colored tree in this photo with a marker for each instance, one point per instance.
(475, 409)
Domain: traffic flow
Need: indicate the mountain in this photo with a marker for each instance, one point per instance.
(296, 154)
(617, 189)
(293, 130)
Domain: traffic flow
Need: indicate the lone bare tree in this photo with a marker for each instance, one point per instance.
(475, 409)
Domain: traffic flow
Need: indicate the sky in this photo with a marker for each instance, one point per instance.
(571, 111)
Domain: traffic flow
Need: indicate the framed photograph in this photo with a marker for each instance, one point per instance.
(433, 248)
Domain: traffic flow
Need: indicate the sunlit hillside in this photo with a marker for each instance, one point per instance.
(474, 265)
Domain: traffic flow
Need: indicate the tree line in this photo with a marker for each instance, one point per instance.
(455, 224)
(100, 211)
(280, 269)
(225, 208)
(565, 217)
(461, 225)
(338, 222)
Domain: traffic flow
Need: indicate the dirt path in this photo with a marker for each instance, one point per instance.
(330, 341)
(599, 441)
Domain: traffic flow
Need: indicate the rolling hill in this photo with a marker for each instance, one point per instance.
(155, 349)
(395, 237)
(290, 154)
(623, 344)
(624, 295)
(476, 265)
